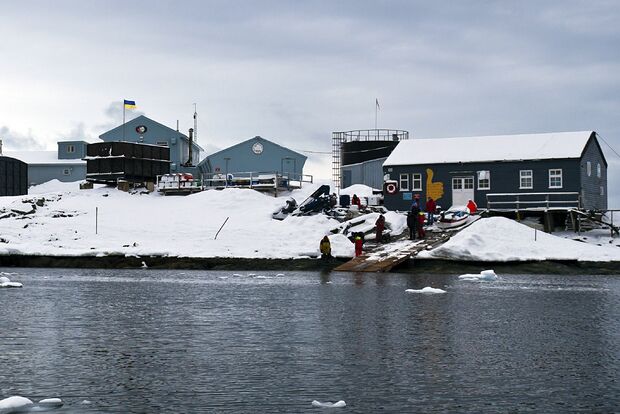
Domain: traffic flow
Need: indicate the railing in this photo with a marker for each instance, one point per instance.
(256, 180)
(533, 201)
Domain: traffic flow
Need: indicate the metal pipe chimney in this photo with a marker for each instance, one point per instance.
(191, 144)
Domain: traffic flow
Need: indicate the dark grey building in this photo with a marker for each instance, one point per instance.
(13, 177)
(358, 155)
(507, 172)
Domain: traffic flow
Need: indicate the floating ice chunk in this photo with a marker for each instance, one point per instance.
(144, 266)
(14, 404)
(280, 275)
(338, 404)
(5, 282)
(484, 275)
(236, 275)
(222, 277)
(427, 289)
(51, 402)
(86, 402)
(263, 277)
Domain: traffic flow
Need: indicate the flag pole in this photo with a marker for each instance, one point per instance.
(376, 110)
(123, 103)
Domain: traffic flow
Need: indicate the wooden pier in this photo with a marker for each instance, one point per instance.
(388, 256)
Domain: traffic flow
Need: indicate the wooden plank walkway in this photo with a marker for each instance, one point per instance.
(386, 257)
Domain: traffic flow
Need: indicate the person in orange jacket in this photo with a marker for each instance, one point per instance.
(421, 232)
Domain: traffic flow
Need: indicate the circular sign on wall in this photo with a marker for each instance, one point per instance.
(141, 129)
(257, 148)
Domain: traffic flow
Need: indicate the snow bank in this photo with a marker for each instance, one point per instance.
(338, 404)
(5, 282)
(484, 275)
(499, 239)
(360, 189)
(428, 290)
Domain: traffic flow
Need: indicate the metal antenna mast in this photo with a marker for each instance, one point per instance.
(195, 124)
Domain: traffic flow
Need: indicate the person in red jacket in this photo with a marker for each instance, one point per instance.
(356, 200)
(431, 209)
(472, 206)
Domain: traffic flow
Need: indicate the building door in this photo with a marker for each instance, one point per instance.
(346, 179)
(462, 190)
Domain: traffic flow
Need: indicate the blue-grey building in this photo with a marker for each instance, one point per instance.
(255, 155)
(507, 172)
(147, 131)
(64, 165)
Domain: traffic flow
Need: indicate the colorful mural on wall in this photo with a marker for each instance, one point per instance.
(433, 189)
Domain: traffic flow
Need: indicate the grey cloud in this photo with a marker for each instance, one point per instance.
(114, 115)
(14, 141)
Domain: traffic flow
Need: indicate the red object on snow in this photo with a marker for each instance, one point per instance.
(472, 206)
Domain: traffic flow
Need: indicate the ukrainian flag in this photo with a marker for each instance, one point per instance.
(130, 104)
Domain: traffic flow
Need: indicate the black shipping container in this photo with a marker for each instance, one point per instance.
(126, 161)
(13, 177)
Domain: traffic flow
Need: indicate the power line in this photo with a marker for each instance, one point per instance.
(610, 147)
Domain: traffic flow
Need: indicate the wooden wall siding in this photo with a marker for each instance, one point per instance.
(504, 177)
(591, 185)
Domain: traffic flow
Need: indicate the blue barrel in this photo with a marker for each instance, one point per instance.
(345, 200)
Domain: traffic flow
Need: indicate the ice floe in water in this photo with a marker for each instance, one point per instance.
(51, 402)
(15, 404)
(488, 275)
(338, 404)
(5, 282)
(222, 277)
(427, 289)
(18, 404)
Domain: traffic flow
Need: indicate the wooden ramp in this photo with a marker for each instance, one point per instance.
(387, 256)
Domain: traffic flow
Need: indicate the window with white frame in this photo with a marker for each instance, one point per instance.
(598, 170)
(404, 182)
(526, 179)
(416, 182)
(589, 168)
(70, 149)
(484, 180)
(555, 178)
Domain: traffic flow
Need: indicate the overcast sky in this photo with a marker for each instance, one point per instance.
(294, 71)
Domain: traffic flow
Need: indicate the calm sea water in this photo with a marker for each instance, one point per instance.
(151, 341)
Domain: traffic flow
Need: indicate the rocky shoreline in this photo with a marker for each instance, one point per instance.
(429, 266)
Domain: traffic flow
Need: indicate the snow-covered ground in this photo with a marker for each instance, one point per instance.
(498, 239)
(137, 224)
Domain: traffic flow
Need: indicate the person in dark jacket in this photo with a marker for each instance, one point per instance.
(380, 226)
(411, 223)
(356, 200)
(326, 248)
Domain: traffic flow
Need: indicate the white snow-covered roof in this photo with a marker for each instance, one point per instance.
(40, 157)
(555, 145)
